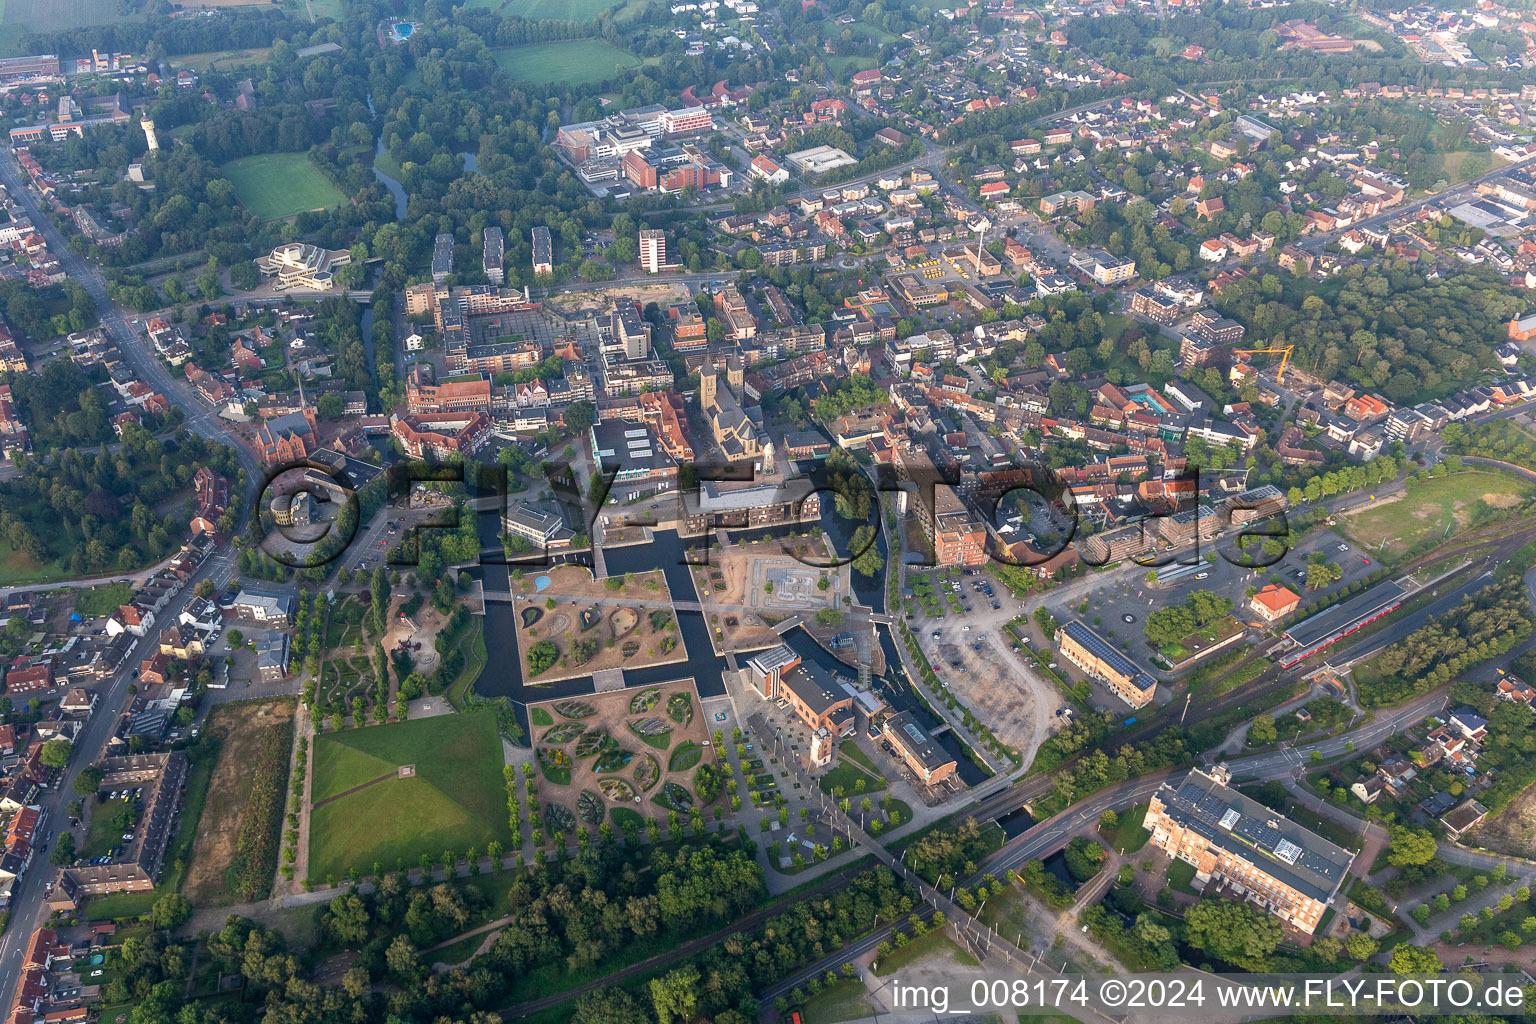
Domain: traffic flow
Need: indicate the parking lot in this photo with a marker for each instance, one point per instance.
(971, 655)
(1109, 603)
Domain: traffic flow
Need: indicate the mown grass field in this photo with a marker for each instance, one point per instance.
(565, 10)
(223, 60)
(273, 185)
(19, 17)
(1432, 509)
(577, 61)
(456, 799)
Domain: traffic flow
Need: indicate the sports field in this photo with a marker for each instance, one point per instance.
(273, 185)
(455, 800)
(1432, 509)
(577, 61)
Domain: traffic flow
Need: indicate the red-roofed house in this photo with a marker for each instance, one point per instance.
(1274, 602)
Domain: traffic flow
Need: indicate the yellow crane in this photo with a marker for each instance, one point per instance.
(1285, 355)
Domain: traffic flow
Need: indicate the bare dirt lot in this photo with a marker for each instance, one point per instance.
(597, 626)
(240, 729)
(1512, 830)
(609, 759)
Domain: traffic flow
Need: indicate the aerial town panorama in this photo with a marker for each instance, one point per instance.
(783, 511)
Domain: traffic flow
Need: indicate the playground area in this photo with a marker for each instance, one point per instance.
(622, 756)
(574, 625)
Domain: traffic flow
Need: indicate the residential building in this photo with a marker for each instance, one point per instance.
(924, 757)
(161, 777)
(1099, 659)
(543, 251)
(441, 435)
(495, 244)
(653, 252)
(442, 258)
(1245, 848)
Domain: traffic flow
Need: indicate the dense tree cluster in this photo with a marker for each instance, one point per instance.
(93, 513)
(1485, 624)
(1380, 327)
(1171, 624)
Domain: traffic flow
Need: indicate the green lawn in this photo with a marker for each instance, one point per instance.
(841, 1001)
(1180, 876)
(1129, 836)
(539, 716)
(273, 185)
(22, 16)
(1432, 509)
(577, 61)
(1451, 164)
(564, 10)
(934, 946)
(103, 834)
(687, 754)
(847, 774)
(222, 60)
(455, 800)
(102, 600)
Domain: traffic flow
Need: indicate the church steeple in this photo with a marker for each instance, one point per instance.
(708, 381)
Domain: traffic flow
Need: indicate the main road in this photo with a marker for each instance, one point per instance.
(27, 912)
(198, 416)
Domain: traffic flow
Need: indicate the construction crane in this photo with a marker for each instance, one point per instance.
(1285, 355)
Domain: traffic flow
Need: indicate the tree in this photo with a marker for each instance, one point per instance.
(1262, 730)
(88, 781)
(170, 911)
(580, 415)
(829, 617)
(403, 963)
(1410, 959)
(1361, 946)
(675, 995)
(1233, 932)
(55, 753)
(1410, 847)
(867, 559)
(63, 851)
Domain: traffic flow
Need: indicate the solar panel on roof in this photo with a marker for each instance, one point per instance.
(641, 432)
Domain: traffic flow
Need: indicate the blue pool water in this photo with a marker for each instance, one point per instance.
(539, 583)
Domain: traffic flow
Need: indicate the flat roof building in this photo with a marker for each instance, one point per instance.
(442, 258)
(540, 528)
(927, 760)
(543, 251)
(1099, 659)
(1244, 847)
(495, 252)
(1314, 633)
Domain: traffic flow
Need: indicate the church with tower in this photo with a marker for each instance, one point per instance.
(738, 437)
